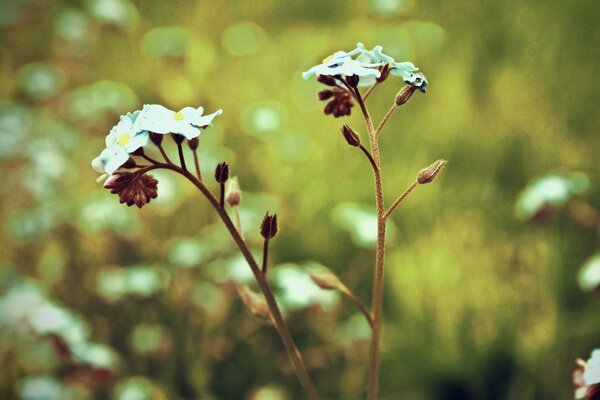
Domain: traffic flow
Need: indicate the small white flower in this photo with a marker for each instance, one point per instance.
(342, 63)
(123, 139)
(591, 376)
(186, 122)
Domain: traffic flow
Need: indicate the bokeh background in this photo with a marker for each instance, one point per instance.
(490, 270)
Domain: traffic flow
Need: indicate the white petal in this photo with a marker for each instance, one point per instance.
(116, 161)
(139, 140)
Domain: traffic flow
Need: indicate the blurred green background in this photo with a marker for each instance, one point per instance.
(479, 304)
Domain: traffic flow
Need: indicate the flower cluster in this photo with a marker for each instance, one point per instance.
(344, 71)
(133, 132)
(369, 65)
(586, 377)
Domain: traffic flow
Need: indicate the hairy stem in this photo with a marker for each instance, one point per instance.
(385, 119)
(280, 324)
(377, 299)
(370, 90)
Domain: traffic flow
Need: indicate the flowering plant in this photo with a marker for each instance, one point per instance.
(125, 163)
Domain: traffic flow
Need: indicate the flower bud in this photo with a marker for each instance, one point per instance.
(405, 94)
(385, 71)
(222, 172)
(130, 163)
(138, 152)
(430, 173)
(254, 303)
(326, 80)
(325, 279)
(268, 228)
(351, 137)
(177, 138)
(352, 80)
(233, 193)
(193, 143)
(325, 94)
(156, 138)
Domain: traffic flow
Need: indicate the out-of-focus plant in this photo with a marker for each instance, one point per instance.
(125, 164)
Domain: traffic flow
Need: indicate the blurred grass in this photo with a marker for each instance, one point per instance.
(479, 305)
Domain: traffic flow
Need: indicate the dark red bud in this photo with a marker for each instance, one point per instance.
(351, 137)
(138, 152)
(430, 173)
(130, 163)
(385, 71)
(156, 138)
(404, 95)
(352, 80)
(222, 172)
(326, 80)
(325, 94)
(268, 228)
(177, 138)
(193, 143)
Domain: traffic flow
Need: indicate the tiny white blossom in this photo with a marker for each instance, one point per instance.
(186, 122)
(591, 376)
(342, 63)
(123, 139)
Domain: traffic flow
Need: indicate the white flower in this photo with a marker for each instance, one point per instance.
(591, 376)
(342, 63)
(186, 122)
(417, 80)
(123, 139)
(402, 69)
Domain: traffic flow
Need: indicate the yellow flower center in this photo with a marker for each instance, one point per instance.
(178, 116)
(124, 139)
(328, 58)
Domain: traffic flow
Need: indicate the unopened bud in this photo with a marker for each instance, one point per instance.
(325, 94)
(325, 279)
(268, 227)
(430, 173)
(138, 152)
(351, 137)
(193, 143)
(405, 94)
(177, 138)
(233, 193)
(222, 172)
(352, 80)
(156, 138)
(254, 303)
(327, 80)
(385, 71)
(130, 163)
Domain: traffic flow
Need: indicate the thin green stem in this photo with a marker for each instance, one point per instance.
(280, 325)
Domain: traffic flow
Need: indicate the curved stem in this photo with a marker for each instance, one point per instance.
(278, 320)
(369, 156)
(359, 304)
(163, 153)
